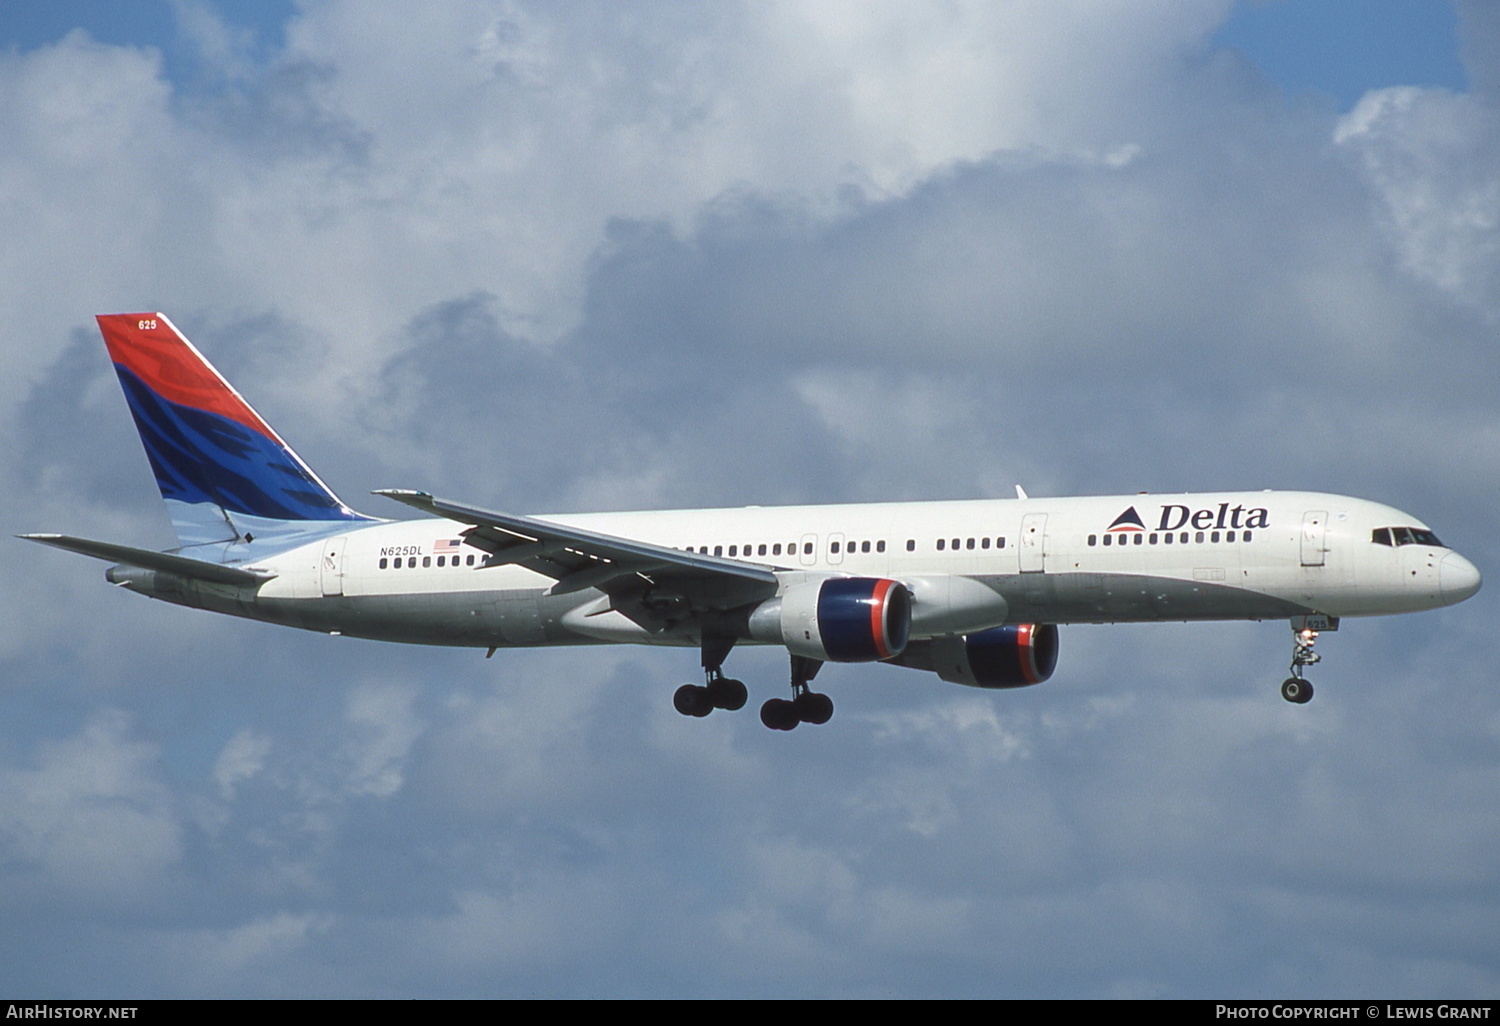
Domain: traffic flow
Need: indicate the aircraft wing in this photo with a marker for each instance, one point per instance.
(579, 559)
(182, 566)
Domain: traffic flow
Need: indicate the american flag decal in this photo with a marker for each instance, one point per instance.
(443, 545)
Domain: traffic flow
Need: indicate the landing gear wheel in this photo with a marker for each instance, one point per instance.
(1297, 690)
(779, 714)
(692, 700)
(727, 693)
(814, 707)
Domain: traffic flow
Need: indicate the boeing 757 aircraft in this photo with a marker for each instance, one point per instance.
(972, 591)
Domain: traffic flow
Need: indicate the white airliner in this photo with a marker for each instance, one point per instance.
(972, 591)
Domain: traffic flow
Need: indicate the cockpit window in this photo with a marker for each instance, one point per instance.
(1405, 536)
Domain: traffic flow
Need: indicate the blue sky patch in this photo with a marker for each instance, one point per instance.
(1347, 47)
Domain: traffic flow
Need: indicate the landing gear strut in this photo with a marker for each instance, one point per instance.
(1297, 688)
(717, 691)
(805, 705)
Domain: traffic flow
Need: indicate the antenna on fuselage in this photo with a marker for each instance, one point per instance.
(1021, 493)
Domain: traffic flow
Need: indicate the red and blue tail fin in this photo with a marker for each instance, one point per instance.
(225, 474)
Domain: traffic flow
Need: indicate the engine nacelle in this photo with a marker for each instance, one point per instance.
(838, 619)
(1002, 657)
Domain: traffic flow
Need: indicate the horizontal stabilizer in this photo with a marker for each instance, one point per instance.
(182, 566)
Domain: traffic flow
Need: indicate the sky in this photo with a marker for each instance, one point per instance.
(589, 256)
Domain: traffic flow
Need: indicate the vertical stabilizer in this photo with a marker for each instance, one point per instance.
(226, 476)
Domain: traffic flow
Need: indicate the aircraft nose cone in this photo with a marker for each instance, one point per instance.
(1457, 577)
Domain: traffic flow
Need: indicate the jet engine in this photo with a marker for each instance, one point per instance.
(838, 619)
(1002, 657)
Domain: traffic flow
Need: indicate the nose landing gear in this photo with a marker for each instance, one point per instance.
(1297, 688)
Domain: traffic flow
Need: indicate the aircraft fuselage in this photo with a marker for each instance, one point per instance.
(1107, 559)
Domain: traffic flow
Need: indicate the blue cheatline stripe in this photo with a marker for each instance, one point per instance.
(204, 457)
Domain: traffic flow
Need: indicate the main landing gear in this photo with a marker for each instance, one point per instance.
(721, 692)
(1296, 688)
(718, 691)
(805, 705)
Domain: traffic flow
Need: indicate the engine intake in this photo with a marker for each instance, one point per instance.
(838, 619)
(1011, 657)
(1003, 657)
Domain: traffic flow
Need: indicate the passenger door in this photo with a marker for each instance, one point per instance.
(1314, 537)
(331, 571)
(1033, 547)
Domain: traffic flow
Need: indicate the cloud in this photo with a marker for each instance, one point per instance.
(1427, 155)
(91, 819)
(242, 759)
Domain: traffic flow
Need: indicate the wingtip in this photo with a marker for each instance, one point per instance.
(400, 493)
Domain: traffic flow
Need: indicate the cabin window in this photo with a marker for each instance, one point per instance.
(734, 550)
(941, 544)
(1140, 539)
(911, 545)
(718, 550)
(1153, 537)
(1093, 540)
(426, 561)
(776, 549)
(880, 545)
(1000, 543)
(1245, 536)
(807, 549)
(761, 549)
(1199, 538)
(1108, 541)
(1229, 536)
(1167, 538)
(1214, 537)
(1183, 537)
(384, 563)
